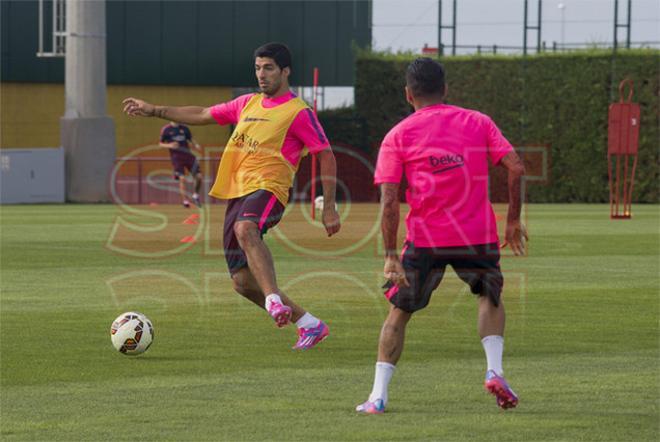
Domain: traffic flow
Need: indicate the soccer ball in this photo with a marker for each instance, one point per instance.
(132, 333)
(318, 203)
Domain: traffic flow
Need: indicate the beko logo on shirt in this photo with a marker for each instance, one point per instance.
(250, 119)
(446, 162)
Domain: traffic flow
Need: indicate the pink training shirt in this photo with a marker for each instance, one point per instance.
(444, 151)
(305, 131)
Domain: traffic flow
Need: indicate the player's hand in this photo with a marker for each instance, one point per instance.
(516, 237)
(394, 272)
(137, 107)
(330, 219)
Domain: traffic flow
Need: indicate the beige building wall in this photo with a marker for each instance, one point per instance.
(30, 114)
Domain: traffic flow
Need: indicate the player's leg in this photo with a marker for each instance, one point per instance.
(260, 270)
(390, 346)
(259, 259)
(182, 190)
(245, 284)
(491, 318)
(311, 330)
(179, 170)
(243, 278)
(258, 212)
(198, 185)
(392, 335)
(424, 275)
(481, 270)
(197, 180)
(261, 265)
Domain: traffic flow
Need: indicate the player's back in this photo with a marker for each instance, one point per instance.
(444, 152)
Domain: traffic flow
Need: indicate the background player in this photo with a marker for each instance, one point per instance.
(178, 139)
(443, 152)
(256, 172)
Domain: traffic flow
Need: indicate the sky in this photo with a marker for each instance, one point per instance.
(406, 25)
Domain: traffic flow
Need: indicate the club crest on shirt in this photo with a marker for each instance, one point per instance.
(446, 162)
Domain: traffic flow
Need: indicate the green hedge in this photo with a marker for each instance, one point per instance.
(558, 100)
(344, 126)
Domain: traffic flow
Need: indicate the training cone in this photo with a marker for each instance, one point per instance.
(190, 220)
(188, 239)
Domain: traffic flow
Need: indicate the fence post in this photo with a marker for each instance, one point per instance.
(139, 176)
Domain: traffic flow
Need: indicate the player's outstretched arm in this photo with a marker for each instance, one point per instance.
(389, 226)
(172, 145)
(516, 234)
(328, 167)
(195, 145)
(193, 115)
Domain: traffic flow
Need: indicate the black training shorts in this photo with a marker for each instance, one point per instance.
(477, 265)
(182, 161)
(261, 207)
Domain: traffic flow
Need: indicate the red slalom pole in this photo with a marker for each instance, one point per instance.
(313, 157)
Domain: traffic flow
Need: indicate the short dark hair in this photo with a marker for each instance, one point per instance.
(277, 51)
(425, 77)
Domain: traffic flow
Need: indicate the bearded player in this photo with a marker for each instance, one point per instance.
(272, 129)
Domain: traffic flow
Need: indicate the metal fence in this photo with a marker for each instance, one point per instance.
(149, 179)
(446, 50)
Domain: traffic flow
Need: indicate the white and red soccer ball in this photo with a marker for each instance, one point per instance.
(132, 333)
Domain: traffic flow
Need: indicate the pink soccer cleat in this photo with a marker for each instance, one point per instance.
(280, 313)
(497, 385)
(309, 337)
(375, 407)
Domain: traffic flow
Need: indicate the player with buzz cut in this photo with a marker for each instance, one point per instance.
(444, 153)
(272, 130)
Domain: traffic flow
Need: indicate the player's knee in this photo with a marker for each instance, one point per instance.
(246, 232)
(390, 328)
(240, 288)
(397, 320)
(240, 283)
(399, 315)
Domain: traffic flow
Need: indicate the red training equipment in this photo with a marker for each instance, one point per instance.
(623, 140)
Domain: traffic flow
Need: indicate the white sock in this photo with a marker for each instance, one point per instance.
(195, 195)
(273, 297)
(494, 346)
(307, 321)
(384, 372)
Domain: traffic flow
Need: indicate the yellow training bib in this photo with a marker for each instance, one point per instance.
(252, 159)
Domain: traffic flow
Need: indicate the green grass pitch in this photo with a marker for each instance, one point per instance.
(581, 347)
